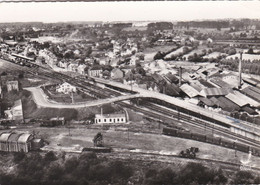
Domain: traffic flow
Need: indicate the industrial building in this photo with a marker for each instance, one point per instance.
(18, 142)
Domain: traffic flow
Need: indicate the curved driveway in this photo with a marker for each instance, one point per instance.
(41, 100)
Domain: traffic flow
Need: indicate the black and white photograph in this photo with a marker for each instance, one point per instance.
(130, 93)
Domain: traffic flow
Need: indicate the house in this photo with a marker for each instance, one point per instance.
(15, 112)
(81, 69)
(133, 61)
(15, 142)
(49, 57)
(66, 88)
(117, 73)
(73, 67)
(95, 71)
(12, 85)
(110, 118)
(209, 40)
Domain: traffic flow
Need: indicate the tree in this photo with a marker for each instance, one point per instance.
(250, 51)
(243, 177)
(158, 56)
(71, 164)
(50, 156)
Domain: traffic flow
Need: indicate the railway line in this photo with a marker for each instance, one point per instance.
(143, 156)
(158, 112)
(151, 110)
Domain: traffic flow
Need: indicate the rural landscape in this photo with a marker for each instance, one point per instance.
(130, 102)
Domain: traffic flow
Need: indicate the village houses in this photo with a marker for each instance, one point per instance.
(117, 73)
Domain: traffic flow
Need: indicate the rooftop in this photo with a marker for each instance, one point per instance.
(109, 115)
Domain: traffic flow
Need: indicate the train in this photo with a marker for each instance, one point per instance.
(212, 140)
(18, 59)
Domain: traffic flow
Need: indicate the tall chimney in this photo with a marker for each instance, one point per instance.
(240, 71)
(180, 75)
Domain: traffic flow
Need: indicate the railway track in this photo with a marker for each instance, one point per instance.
(197, 123)
(142, 156)
(157, 111)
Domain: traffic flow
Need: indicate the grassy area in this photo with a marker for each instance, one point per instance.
(66, 98)
(119, 137)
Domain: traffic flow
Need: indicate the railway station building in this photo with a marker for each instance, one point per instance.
(110, 118)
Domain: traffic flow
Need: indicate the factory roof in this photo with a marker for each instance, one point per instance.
(189, 90)
(206, 84)
(207, 101)
(250, 81)
(249, 91)
(215, 91)
(13, 137)
(4, 137)
(219, 82)
(227, 105)
(241, 99)
(24, 138)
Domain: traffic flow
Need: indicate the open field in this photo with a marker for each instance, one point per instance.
(198, 51)
(151, 52)
(74, 139)
(213, 55)
(245, 57)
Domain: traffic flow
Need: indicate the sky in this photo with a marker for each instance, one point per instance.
(127, 11)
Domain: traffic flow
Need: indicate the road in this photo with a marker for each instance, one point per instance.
(42, 100)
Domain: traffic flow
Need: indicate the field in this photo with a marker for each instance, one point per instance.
(174, 53)
(198, 51)
(245, 57)
(213, 55)
(120, 139)
(151, 52)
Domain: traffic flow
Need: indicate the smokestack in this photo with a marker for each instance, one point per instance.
(180, 75)
(240, 71)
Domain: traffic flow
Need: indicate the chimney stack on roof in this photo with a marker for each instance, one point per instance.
(240, 71)
(180, 75)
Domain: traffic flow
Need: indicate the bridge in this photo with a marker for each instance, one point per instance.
(41, 100)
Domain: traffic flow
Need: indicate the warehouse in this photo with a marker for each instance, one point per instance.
(14, 142)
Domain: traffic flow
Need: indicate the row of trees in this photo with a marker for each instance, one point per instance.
(87, 168)
(252, 67)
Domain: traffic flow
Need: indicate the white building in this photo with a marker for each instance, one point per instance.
(15, 112)
(12, 85)
(66, 88)
(110, 118)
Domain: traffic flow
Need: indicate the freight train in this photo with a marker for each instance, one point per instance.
(211, 140)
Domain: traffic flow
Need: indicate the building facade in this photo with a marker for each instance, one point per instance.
(66, 88)
(12, 85)
(110, 118)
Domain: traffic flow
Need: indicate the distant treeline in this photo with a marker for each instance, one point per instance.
(205, 24)
(237, 24)
(160, 26)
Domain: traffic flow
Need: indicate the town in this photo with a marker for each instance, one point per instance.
(157, 92)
